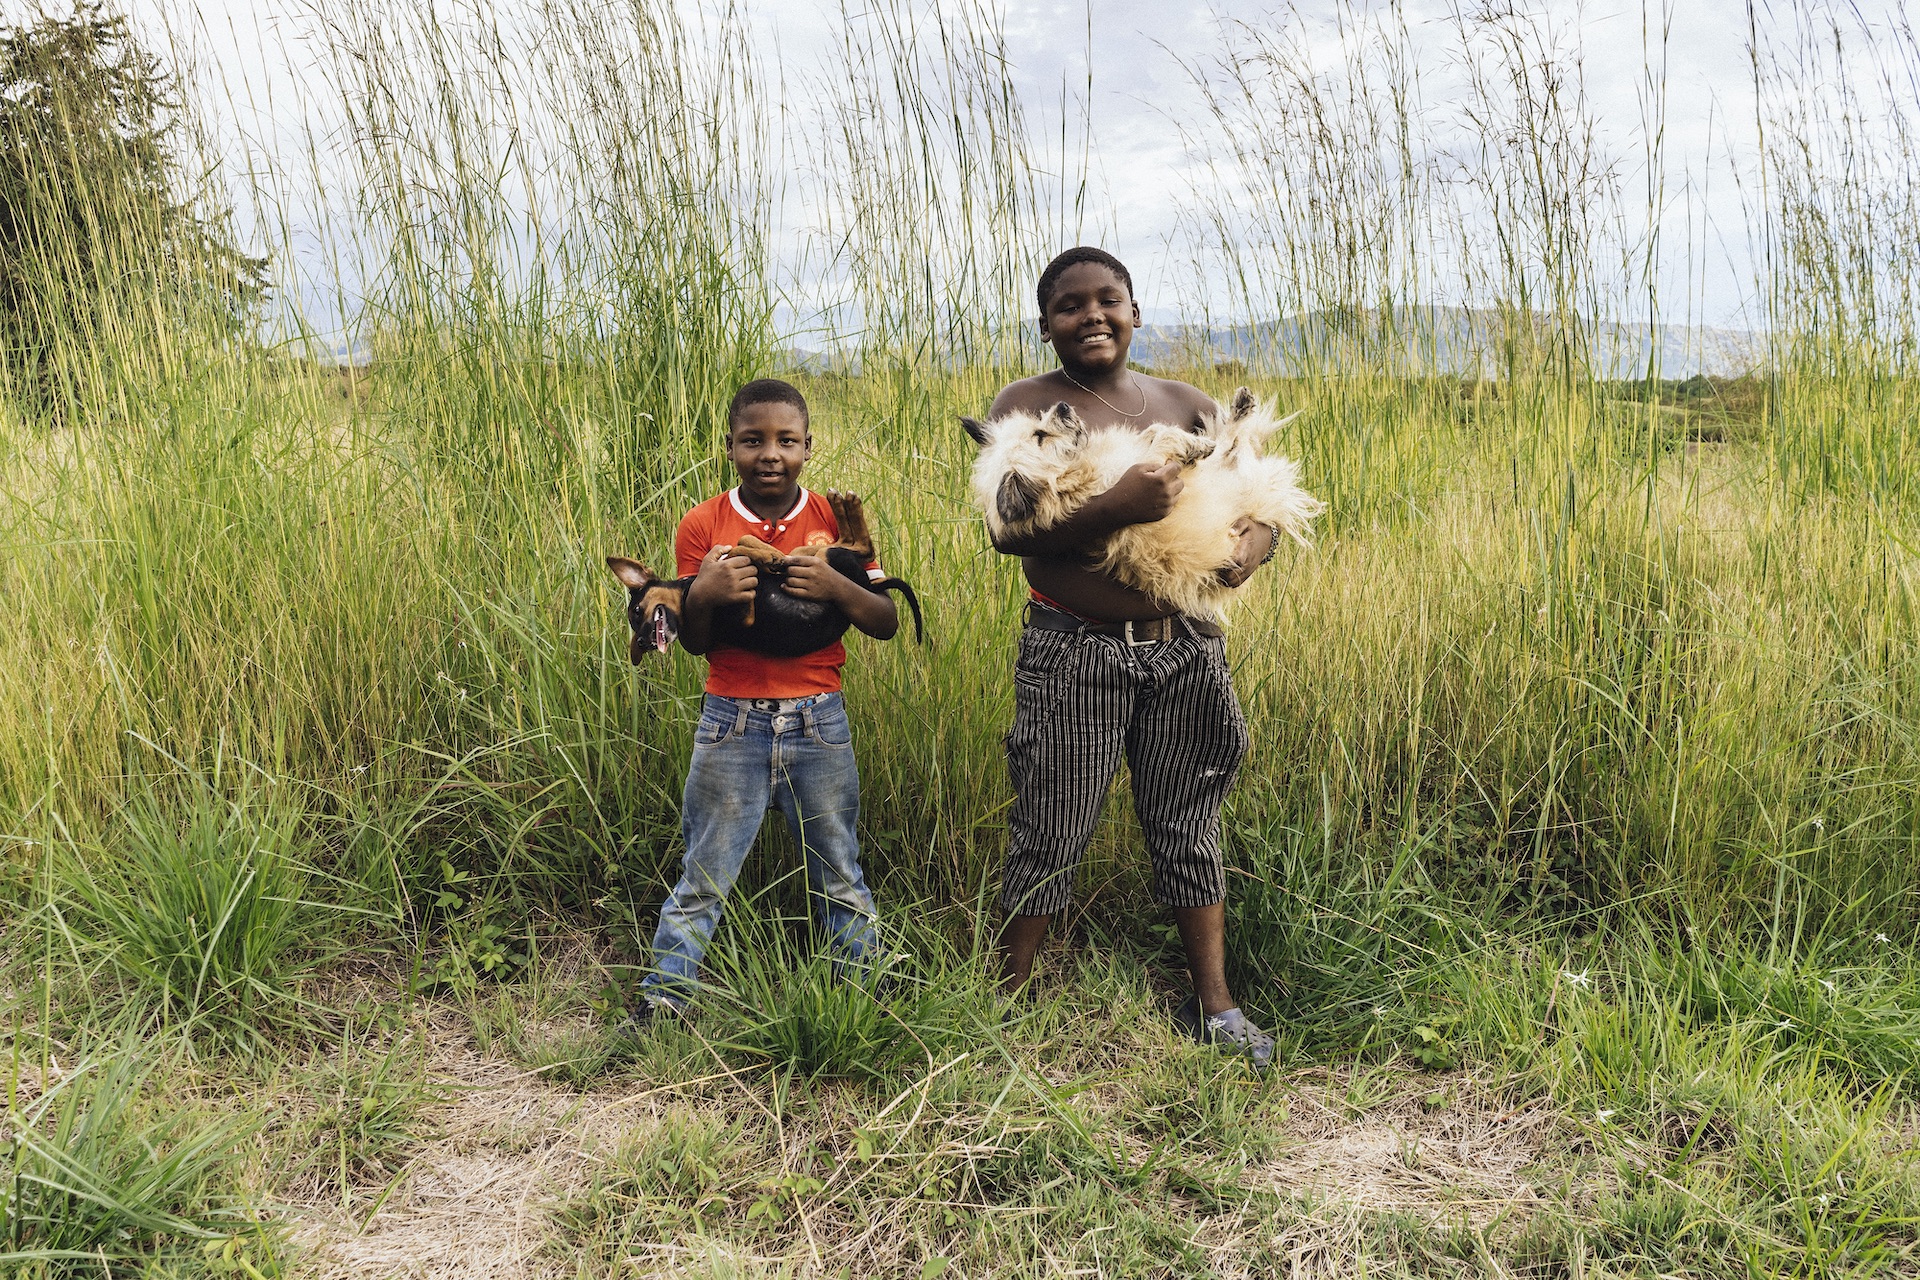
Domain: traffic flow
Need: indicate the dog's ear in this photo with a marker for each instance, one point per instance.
(631, 573)
(975, 428)
(1243, 404)
(1019, 498)
(1066, 420)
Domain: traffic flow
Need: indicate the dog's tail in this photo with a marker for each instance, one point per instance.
(913, 602)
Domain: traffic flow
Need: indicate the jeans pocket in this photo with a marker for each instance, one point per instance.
(717, 724)
(831, 728)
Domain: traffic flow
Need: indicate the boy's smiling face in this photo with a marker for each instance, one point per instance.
(1090, 319)
(768, 445)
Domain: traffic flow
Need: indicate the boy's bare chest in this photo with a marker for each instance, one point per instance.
(1117, 409)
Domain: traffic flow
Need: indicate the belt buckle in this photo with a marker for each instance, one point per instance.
(1126, 634)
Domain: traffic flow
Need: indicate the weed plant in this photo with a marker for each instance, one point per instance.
(198, 905)
(368, 1117)
(682, 1176)
(781, 996)
(101, 1180)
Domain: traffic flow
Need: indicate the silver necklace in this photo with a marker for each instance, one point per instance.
(1110, 404)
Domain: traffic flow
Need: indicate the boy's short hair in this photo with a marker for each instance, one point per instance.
(1073, 258)
(766, 391)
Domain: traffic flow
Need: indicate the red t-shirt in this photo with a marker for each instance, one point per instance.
(736, 673)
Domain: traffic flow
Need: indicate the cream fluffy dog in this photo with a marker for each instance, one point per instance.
(1033, 472)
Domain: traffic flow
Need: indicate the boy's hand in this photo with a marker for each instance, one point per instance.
(724, 579)
(1252, 541)
(1143, 494)
(810, 577)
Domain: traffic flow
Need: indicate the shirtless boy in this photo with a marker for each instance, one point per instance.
(1106, 671)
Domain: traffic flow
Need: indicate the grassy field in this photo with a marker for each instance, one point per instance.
(1573, 864)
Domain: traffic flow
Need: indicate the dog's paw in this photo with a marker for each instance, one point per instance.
(1194, 448)
(764, 555)
(847, 508)
(851, 515)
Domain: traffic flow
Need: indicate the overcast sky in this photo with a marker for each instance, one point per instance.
(254, 55)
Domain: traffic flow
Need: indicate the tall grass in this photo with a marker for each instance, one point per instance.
(1841, 179)
(780, 998)
(113, 283)
(566, 266)
(1570, 646)
(940, 191)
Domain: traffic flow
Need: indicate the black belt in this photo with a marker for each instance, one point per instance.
(1137, 631)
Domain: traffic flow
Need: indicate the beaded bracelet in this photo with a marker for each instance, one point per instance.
(1273, 547)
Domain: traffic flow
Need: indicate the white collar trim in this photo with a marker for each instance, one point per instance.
(747, 512)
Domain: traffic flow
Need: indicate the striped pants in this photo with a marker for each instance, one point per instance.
(1080, 702)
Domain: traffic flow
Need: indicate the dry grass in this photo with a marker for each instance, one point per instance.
(1441, 1149)
(472, 1201)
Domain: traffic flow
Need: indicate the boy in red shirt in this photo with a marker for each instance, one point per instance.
(773, 731)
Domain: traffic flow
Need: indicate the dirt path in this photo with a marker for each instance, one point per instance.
(476, 1200)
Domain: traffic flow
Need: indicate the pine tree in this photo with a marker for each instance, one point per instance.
(104, 264)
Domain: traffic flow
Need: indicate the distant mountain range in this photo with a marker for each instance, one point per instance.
(1443, 340)
(1455, 341)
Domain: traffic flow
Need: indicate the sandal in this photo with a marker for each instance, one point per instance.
(1230, 1029)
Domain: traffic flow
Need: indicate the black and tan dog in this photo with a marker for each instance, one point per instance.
(773, 623)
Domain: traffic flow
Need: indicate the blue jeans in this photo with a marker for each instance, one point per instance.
(750, 755)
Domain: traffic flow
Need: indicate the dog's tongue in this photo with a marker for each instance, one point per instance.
(662, 634)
